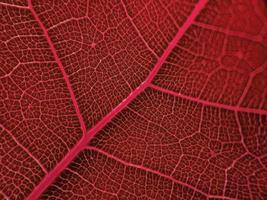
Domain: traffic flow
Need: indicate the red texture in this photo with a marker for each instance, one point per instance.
(159, 99)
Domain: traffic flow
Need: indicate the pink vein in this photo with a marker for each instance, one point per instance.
(50, 177)
(208, 103)
(65, 76)
(228, 32)
(14, 5)
(151, 171)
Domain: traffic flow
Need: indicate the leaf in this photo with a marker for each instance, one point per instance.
(160, 99)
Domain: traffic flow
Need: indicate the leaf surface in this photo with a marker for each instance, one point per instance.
(159, 99)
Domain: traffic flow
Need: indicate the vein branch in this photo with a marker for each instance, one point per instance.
(151, 171)
(209, 103)
(58, 61)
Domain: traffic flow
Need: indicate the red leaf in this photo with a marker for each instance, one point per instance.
(109, 99)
